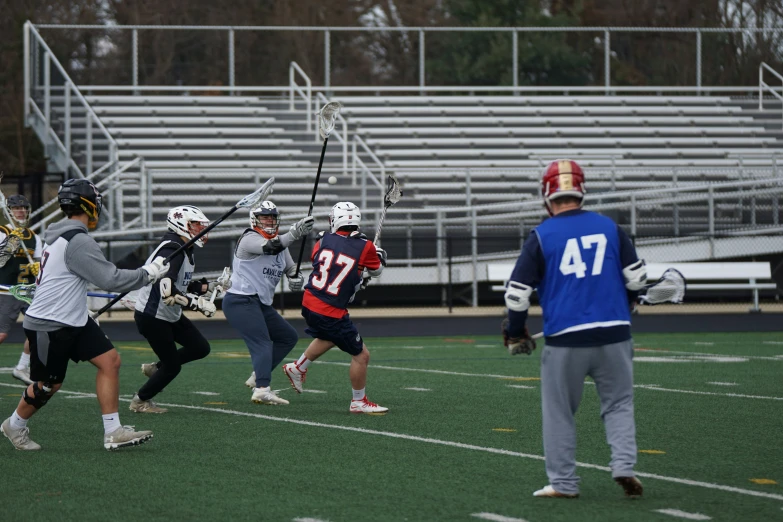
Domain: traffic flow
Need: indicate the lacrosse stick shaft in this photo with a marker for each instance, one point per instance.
(312, 203)
(246, 201)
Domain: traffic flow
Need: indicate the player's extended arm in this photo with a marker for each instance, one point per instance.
(85, 259)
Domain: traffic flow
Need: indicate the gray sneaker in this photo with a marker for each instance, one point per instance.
(23, 375)
(19, 438)
(149, 369)
(140, 406)
(125, 436)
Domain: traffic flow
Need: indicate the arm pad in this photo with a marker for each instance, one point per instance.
(518, 296)
(635, 275)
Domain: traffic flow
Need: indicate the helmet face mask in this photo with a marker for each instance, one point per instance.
(19, 209)
(562, 178)
(188, 221)
(344, 214)
(265, 219)
(80, 196)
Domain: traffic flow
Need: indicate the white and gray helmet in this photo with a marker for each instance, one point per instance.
(266, 208)
(180, 218)
(344, 214)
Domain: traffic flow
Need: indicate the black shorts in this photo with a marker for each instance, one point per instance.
(341, 331)
(51, 351)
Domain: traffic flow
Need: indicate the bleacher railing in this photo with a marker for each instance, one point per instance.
(294, 88)
(763, 86)
(56, 132)
(605, 39)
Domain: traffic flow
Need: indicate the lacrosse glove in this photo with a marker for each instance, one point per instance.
(35, 268)
(301, 228)
(156, 269)
(517, 345)
(296, 282)
(381, 255)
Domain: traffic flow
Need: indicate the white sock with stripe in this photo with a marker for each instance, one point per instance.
(111, 422)
(358, 394)
(302, 363)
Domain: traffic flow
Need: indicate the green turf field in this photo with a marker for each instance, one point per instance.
(463, 438)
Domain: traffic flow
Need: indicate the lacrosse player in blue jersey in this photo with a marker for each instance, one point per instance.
(260, 260)
(586, 271)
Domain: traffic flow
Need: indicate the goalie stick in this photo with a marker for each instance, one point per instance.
(327, 118)
(248, 201)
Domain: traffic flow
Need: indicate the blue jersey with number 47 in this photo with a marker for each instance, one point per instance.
(583, 285)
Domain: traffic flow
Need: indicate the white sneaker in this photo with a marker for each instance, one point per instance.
(266, 396)
(365, 406)
(140, 406)
(295, 375)
(23, 375)
(19, 438)
(549, 491)
(149, 369)
(125, 436)
(251, 381)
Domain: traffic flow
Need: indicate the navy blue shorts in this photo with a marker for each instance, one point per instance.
(341, 331)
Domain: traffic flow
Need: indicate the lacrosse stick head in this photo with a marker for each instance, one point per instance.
(23, 293)
(251, 200)
(393, 191)
(129, 301)
(327, 117)
(670, 288)
(224, 281)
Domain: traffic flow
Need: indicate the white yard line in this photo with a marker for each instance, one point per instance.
(522, 386)
(723, 383)
(664, 353)
(6, 370)
(308, 519)
(716, 394)
(426, 370)
(448, 443)
(683, 514)
(497, 518)
(417, 389)
(205, 393)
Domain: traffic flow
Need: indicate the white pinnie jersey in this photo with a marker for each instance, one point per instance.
(261, 274)
(149, 301)
(61, 295)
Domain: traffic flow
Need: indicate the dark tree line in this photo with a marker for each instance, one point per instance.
(384, 57)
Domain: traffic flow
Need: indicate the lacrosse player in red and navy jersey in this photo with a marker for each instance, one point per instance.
(586, 271)
(339, 258)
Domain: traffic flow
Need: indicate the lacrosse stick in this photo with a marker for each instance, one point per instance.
(670, 288)
(327, 117)
(8, 217)
(248, 201)
(223, 284)
(27, 292)
(393, 196)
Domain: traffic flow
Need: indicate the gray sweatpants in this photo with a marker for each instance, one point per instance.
(563, 372)
(269, 337)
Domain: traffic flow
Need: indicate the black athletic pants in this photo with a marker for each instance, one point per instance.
(162, 337)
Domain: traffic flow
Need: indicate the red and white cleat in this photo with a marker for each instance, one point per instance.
(367, 407)
(296, 376)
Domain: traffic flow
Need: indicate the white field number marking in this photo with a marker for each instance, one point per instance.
(683, 514)
(497, 518)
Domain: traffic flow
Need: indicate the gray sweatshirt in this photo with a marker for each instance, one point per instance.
(70, 260)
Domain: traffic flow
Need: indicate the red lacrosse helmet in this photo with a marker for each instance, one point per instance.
(562, 178)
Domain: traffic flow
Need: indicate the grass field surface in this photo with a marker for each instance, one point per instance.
(462, 440)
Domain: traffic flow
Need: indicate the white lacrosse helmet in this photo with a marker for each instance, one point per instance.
(344, 214)
(257, 215)
(180, 220)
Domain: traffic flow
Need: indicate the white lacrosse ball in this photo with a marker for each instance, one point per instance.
(332, 180)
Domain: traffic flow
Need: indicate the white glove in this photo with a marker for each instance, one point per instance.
(203, 305)
(381, 255)
(302, 227)
(296, 282)
(156, 269)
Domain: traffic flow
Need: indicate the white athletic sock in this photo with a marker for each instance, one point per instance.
(18, 422)
(111, 422)
(303, 363)
(24, 361)
(358, 394)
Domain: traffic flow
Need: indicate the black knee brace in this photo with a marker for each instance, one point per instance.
(40, 396)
